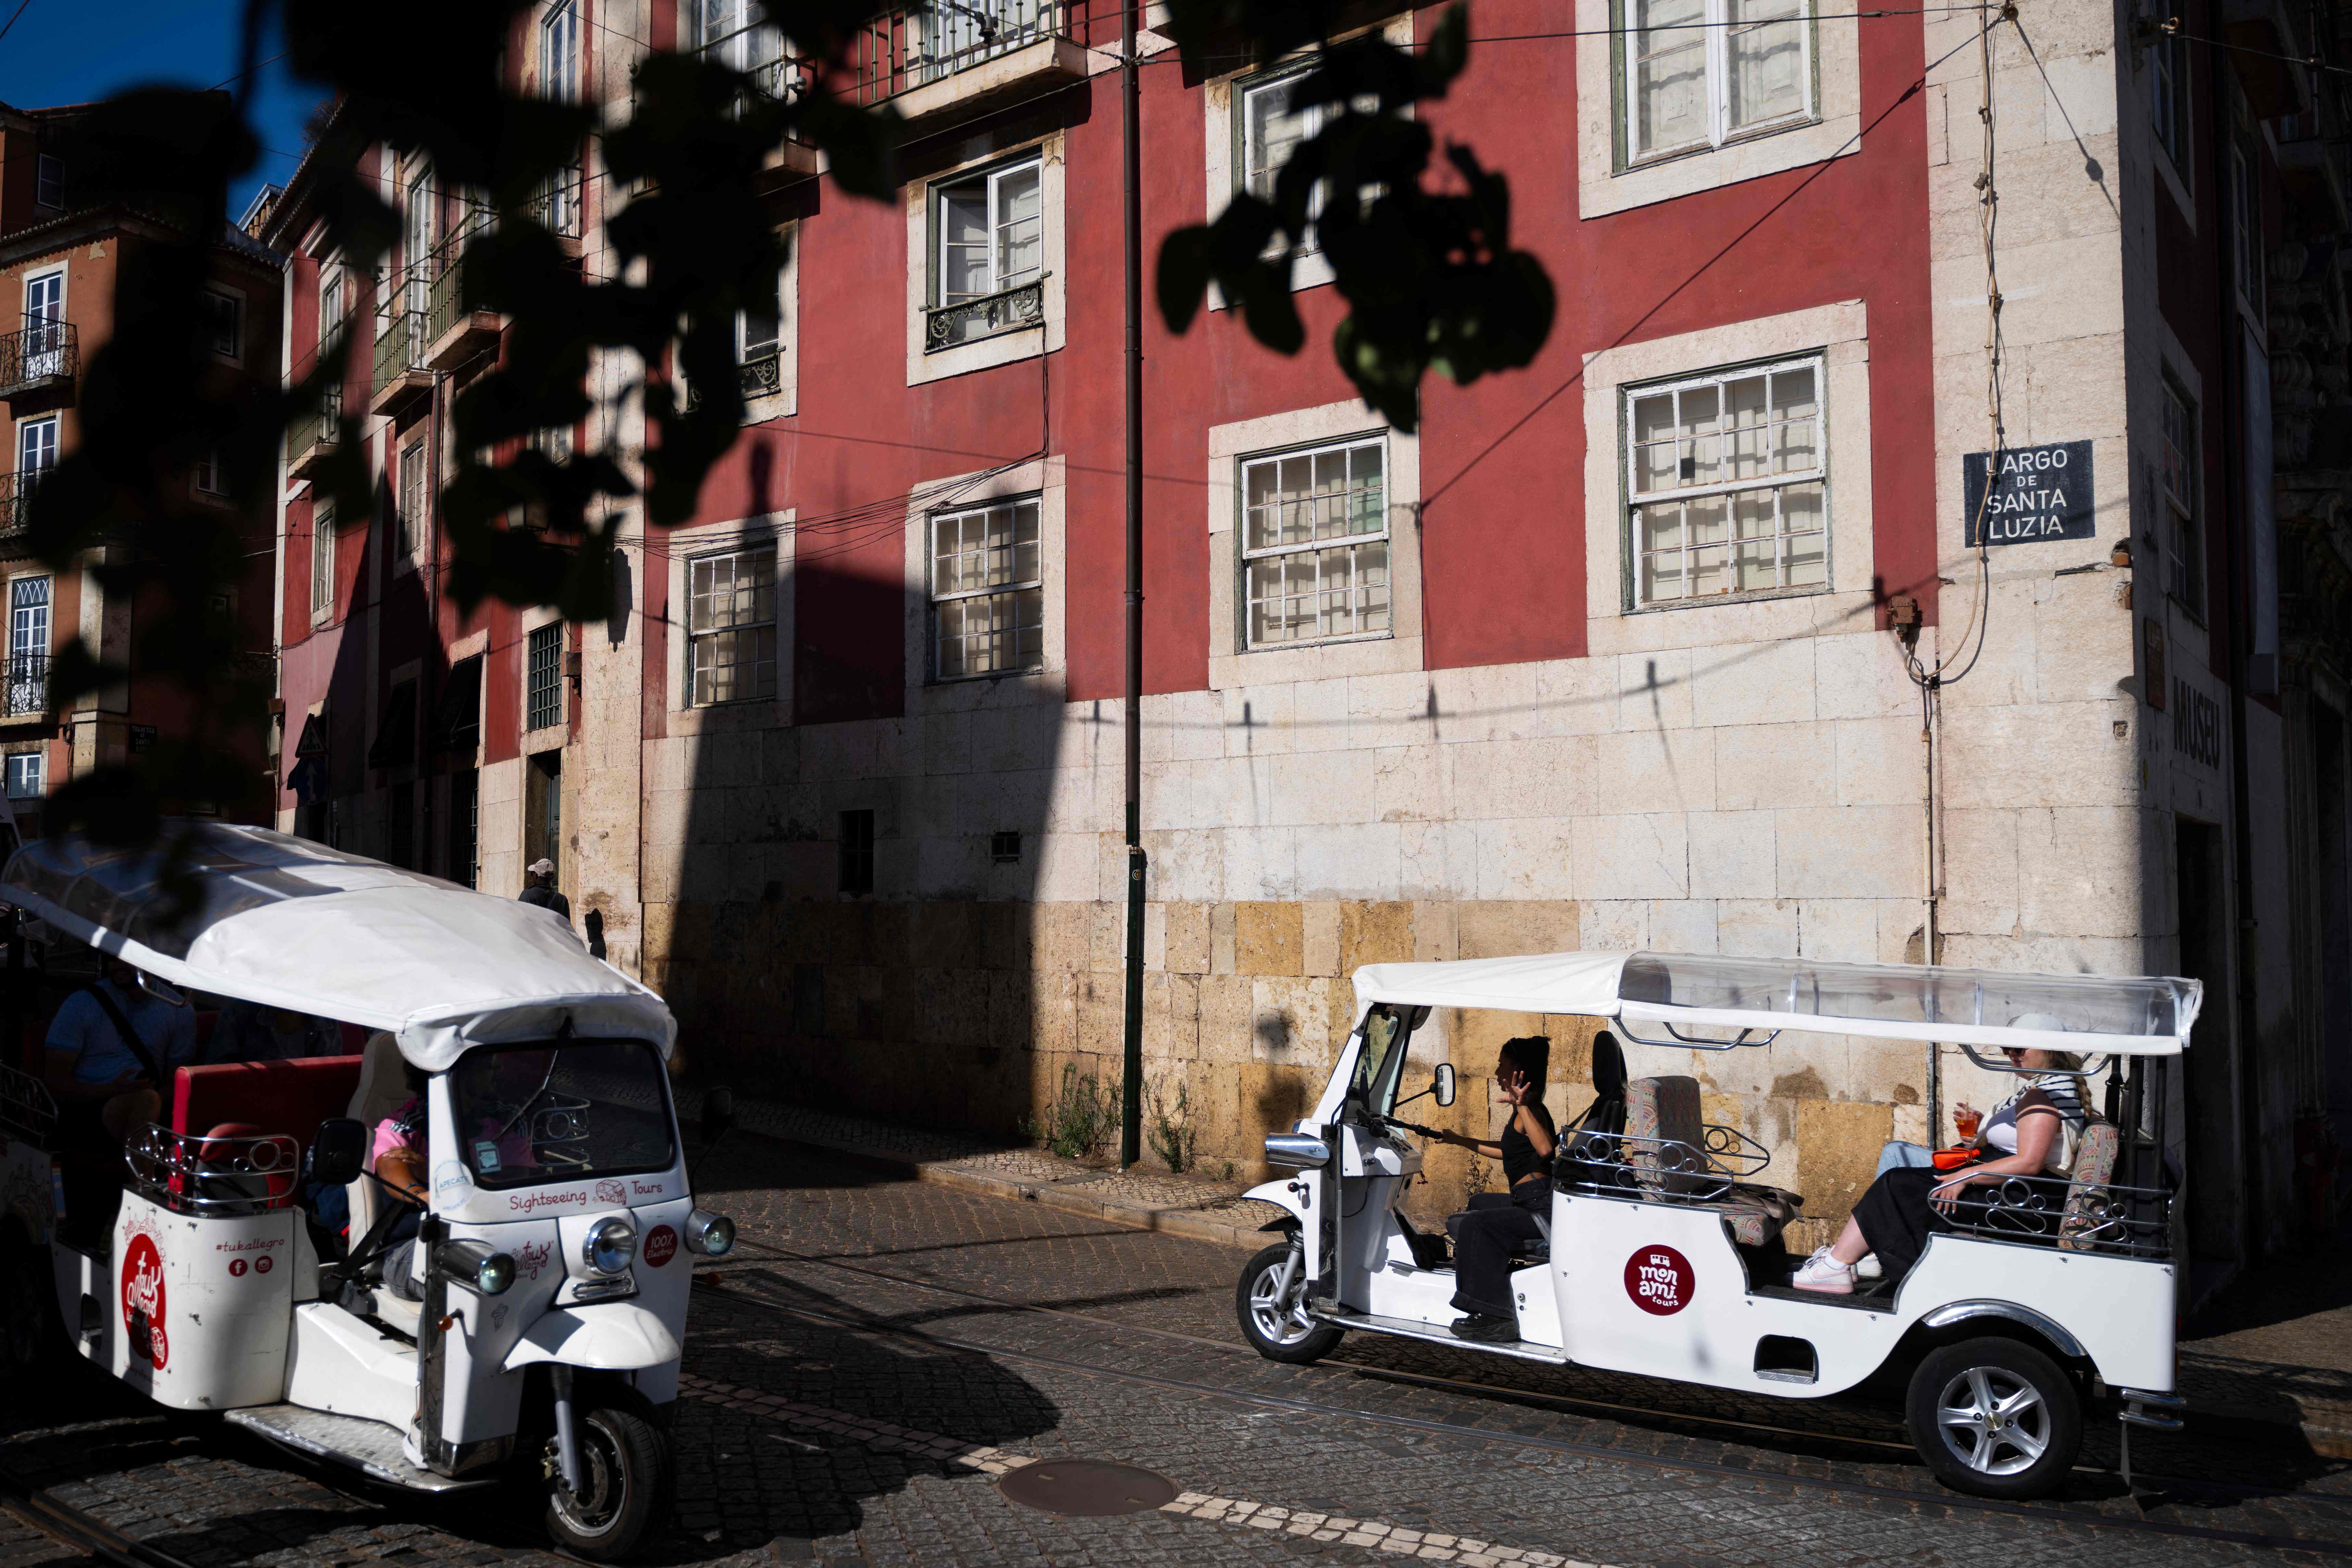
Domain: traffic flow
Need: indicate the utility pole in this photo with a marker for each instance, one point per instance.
(1130, 1121)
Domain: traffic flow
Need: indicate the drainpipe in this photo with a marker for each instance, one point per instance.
(1130, 1126)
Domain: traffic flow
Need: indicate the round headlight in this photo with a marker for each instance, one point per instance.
(711, 1235)
(495, 1275)
(612, 1246)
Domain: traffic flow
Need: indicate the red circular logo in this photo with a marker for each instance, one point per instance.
(661, 1246)
(1659, 1281)
(261, 1265)
(236, 1267)
(142, 1302)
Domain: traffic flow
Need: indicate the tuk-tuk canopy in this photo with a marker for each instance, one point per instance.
(1663, 997)
(288, 923)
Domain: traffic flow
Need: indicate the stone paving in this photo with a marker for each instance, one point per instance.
(881, 1347)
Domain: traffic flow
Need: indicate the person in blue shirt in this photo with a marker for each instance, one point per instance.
(89, 1066)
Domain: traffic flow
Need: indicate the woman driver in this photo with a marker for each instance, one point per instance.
(2033, 1133)
(1485, 1234)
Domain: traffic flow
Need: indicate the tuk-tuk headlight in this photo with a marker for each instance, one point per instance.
(711, 1235)
(476, 1263)
(612, 1246)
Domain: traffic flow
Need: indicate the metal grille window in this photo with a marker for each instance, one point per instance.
(988, 590)
(28, 775)
(322, 561)
(50, 180)
(28, 688)
(226, 314)
(1315, 545)
(1698, 73)
(2184, 517)
(1728, 484)
(416, 496)
(731, 627)
(543, 676)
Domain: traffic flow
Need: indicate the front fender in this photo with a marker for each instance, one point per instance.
(1283, 1194)
(610, 1336)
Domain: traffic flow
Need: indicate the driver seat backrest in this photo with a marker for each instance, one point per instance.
(1660, 1114)
(383, 1090)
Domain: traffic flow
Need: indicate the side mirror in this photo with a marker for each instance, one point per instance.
(339, 1152)
(1444, 1086)
(718, 1114)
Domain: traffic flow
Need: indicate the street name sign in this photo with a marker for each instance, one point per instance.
(2039, 493)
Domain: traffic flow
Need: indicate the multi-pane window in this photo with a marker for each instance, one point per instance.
(1700, 73)
(416, 239)
(543, 676)
(415, 495)
(731, 627)
(559, 52)
(2184, 516)
(322, 561)
(1315, 545)
(37, 446)
(991, 233)
(2246, 229)
(2168, 79)
(1270, 133)
(225, 314)
(45, 331)
(1728, 483)
(28, 688)
(737, 34)
(28, 775)
(331, 302)
(50, 180)
(210, 480)
(987, 590)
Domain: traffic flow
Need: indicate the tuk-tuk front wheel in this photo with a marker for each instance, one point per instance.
(1996, 1418)
(625, 1467)
(1271, 1302)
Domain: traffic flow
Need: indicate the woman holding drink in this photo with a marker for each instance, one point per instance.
(2033, 1133)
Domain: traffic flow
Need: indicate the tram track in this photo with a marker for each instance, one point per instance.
(2047, 1514)
(86, 1532)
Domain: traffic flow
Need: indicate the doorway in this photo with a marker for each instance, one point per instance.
(2215, 1171)
(542, 812)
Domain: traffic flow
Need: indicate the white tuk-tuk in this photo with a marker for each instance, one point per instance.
(1662, 1254)
(539, 1324)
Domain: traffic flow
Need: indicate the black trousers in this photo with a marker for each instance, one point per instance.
(1897, 1219)
(1484, 1237)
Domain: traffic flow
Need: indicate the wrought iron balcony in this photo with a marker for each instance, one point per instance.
(401, 369)
(906, 51)
(16, 503)
(453, 332)
(763, 376)
(42, 355)
(25, 686)
(312, 435)
(969, 320)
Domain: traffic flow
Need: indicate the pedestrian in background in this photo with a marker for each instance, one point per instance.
(541, 890)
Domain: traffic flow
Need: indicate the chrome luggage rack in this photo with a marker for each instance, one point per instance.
(2080, 1216)
(1668, 1170)
(215, 1176)
(27, 1111)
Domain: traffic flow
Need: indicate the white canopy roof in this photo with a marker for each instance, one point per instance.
(290, 924)
(1664, 997)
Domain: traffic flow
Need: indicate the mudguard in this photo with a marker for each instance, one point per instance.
(613, 1336)
(1284, 1194)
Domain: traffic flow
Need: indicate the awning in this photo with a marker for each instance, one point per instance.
(290, 923)
(457, 717)
(1698, 998)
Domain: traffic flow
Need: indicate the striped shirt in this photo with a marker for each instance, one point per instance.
(2065, 1095)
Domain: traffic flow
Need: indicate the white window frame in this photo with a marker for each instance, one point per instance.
(322, 561)
(749, 348)
(38, 768)
(417, 211)
(53, 315)
(57, 310)
(719, 31)
(1716, 37)
(994, 180)
(26, 438)
(1010, 587)
(414, 500)
(2180, 490)
(559, 52)
(2168, 105)
(30, 635)
(227, 321)
(926, 281)
(1246, 556)
(1311, 118)
(208, 479)
(753, 561)
(48, 181)
(1634, 500)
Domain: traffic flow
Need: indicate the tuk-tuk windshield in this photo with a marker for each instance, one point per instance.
(530, 1115)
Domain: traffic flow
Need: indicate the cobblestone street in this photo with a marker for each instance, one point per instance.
(880, 1351)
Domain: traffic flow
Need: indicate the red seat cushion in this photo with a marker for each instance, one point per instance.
(291, 1097)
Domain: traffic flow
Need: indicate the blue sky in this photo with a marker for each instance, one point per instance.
(71, 51)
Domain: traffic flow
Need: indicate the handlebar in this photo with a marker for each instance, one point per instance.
(1409, 1126)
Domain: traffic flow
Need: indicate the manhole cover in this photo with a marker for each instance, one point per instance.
(1091, 1488)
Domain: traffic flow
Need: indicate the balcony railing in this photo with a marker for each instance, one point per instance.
(925, 43)
(25, 685)
(17, 502)
(968, 321)
(400, 347)
(42, 354)
(556, 205)
(763, 376)
(315, 430)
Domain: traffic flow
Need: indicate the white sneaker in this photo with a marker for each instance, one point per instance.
(1825, 1274)
(1869, 1267)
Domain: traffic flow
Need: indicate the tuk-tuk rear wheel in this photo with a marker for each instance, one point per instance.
(1995, 1417)
(1275, 1323)
(625, 1467)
